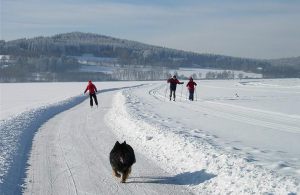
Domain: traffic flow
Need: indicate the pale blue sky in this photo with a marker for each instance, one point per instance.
(254, 28)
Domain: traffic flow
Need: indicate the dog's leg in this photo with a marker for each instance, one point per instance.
(115, 173)
(125, 175)
(129, 171)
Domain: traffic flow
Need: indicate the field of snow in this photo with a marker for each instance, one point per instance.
(239, 137)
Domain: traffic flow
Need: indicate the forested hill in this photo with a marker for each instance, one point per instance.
(55, 58)
(128, 52)
(294, 61)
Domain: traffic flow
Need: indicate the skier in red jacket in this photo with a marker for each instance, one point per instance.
(92, 91)
(191, 87)
(173, 83)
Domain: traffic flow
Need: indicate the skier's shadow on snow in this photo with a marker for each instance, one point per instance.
(186, 178)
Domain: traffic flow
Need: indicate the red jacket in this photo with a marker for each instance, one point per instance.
(91, 88)
(191, 85)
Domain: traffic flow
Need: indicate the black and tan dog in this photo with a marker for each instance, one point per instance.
(121, 159)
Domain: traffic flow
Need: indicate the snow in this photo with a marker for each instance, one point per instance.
(72, 158)
(27, 96)
(239, 137)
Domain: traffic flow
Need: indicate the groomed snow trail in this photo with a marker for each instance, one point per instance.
(70, 156)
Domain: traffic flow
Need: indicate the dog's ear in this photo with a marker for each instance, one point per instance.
(117, 143)
(124, 142)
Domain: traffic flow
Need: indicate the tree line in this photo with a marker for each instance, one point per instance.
(53, 55)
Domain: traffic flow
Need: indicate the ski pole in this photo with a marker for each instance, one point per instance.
(166, 92)
(196, 93)
(186, 94)
(181, 92)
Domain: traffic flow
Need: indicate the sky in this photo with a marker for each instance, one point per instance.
(263, 29)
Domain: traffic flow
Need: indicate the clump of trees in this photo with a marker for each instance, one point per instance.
(24, 68)
(134, 73)
(220, 75)
(282, 71)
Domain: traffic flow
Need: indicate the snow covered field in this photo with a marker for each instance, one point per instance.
(239, 137)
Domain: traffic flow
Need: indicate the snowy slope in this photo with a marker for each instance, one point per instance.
(238, 137)
(246, 149)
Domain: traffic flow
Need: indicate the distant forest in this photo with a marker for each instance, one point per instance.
(52, 59)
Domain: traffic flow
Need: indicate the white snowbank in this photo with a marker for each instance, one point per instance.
(191, 154)
(16, 137)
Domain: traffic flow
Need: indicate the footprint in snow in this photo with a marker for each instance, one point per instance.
(149, 138)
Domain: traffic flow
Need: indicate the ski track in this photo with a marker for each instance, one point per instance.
(267, 121)
(227, 171)
(277, 121)
(17, 133)
(78, 158)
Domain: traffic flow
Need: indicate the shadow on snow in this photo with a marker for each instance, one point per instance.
(187, 178)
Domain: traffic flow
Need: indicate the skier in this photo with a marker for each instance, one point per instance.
(191, 87)
(92, 91)
(173, 83)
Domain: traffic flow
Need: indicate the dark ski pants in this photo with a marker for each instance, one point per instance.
(172, 91)
(191, 97)
(95, 99)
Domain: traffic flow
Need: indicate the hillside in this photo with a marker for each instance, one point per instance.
(294, 61)
(58, 54)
